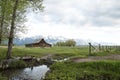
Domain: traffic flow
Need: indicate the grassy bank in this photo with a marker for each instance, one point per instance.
(102, 70)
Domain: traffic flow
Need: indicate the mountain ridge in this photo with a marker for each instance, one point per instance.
(52, 40)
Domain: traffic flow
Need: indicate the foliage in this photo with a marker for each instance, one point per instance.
(60, 44)
(6, 11)
(16, 12)
(69, 43)
(102, 70)
(17, 64)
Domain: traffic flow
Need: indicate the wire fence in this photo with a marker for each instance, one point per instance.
(102, 48)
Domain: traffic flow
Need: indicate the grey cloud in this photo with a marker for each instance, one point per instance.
(104, 16)
(102, 22)
(70, 12)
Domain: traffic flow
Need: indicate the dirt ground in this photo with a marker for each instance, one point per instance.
(96, 58)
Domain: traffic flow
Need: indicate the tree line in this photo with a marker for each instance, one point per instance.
(12, 18)
(69, 43)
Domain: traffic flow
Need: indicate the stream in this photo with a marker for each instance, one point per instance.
(29, 73)
(33, 73)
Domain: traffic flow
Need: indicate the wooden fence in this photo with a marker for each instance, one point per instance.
(101, 48)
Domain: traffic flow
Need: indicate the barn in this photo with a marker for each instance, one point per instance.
(41, 43)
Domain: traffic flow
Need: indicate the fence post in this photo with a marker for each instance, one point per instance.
(106, 48)
(102, 48)
(110, 47)
(99, 47)
(89, 48)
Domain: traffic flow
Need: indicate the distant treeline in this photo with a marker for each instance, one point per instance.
(69, 43)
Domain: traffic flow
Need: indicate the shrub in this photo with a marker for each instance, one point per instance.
(17, 64)
(69, 43)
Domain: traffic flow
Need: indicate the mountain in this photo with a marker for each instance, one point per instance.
(53, 40)
(49, 39)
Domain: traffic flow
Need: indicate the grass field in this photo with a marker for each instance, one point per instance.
(38, 52)
(62, 52)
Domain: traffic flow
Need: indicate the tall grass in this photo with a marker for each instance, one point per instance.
(3, 52)
(102, 70)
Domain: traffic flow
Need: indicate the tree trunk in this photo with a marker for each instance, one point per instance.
(2, 21)
(11, 35)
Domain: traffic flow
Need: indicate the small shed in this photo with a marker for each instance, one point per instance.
(41, 43)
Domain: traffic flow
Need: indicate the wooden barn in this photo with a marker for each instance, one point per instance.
(41, 43)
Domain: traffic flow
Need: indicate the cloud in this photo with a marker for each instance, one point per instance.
(80, 12)
(98, 20)
(103, 34)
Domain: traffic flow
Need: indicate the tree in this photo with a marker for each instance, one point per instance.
(10, 43)
(3, 9)
(5, 18)
(34, 4)
(60, 44)
(69, 43)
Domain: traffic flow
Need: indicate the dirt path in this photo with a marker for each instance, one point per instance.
(96, 58)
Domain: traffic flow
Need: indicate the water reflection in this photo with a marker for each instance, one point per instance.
(34, 73)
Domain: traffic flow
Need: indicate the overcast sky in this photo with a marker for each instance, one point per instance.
(97, 20)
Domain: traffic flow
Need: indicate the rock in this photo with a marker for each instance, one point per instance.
(38, 59)
(4, 64)
(28, 58)
(47, 61)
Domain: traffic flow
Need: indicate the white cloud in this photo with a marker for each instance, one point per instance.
(97, 20)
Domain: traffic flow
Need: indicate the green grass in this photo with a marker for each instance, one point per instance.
(101, 70)
(2, 52)
(3, 78)
(58, 52)
(68, 70)
(38, 52)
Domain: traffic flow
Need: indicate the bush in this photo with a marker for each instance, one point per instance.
(69, 43)
(17, 64)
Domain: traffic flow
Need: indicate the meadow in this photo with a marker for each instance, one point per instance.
(39, 52)
(56, 52)
(68, 70)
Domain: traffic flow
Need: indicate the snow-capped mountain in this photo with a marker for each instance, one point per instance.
(49, 39)
(52, 40)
